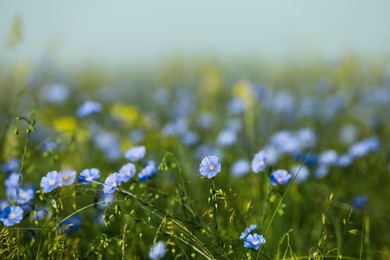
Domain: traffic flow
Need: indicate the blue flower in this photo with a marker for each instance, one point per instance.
(12, 165)
(328, 157)
(240, 168)
(344, 160)
(254, 241)
(68, 177)
(55, 93)
(88, 108)
(49, 146)
(11, 215)
(112, 183)
(89, 175)
(364, 147)
(105, 200)
(23, 195)
(302, 173)
(157, 251)
(71, 224)
(39, 214)
(359, 202)
(136, 153)
(280, 177)
(209, 167)
(322, 171)
(3, 204)
(226, 138)
(51, 181)
(148, 171)
(247, 231)
(259, 162)
(12, 182)
(127, 172)
(98, 217)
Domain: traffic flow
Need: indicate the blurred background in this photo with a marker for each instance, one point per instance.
(150, 33)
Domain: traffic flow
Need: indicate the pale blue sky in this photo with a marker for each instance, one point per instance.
(114, 32)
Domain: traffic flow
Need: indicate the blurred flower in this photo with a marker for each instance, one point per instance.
(307, 137)
(344, 160)
(259, 162)
(236, 106)
(359, 202)
(328, 158)
(98, 217)
(136, 136)
(240, 168)
(364, 147)
(281, 102)
(111, 183)
(89, 175)
(286, 142)
(49, 146)
(51, 181)
(272, 155)
(11, 215)
(254, 241)
(3, 204)
(109, 144)
(22, 196)
(12, 165)
(68, 177)
(12, 182)
(71, 224)
(148, 171)
(177, 127)
(88, 108)
(105, 200)
(322, 171)
(38, 214)
(226, 138)
(157, 251)
(280, 177)
(302, 173)
(189, 138)
(247, 231)
(307, 159)
(124, 113)
(136, 153)
(205, 149)
(233, 125)
(348, 134)
(209, 167)
(161, 96)
(127, 172)
(56, 93)
(206, 120)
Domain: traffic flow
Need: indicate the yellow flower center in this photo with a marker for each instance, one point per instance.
(11, 216)
(52, 182)
(255, 242)
(114, 184)
(65, 177)
(211, 168)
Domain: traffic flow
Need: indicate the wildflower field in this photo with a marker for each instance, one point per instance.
(196, 160)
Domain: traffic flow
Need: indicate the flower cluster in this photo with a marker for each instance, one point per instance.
(252, 240)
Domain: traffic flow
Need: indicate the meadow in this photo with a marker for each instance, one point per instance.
(196, 160)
